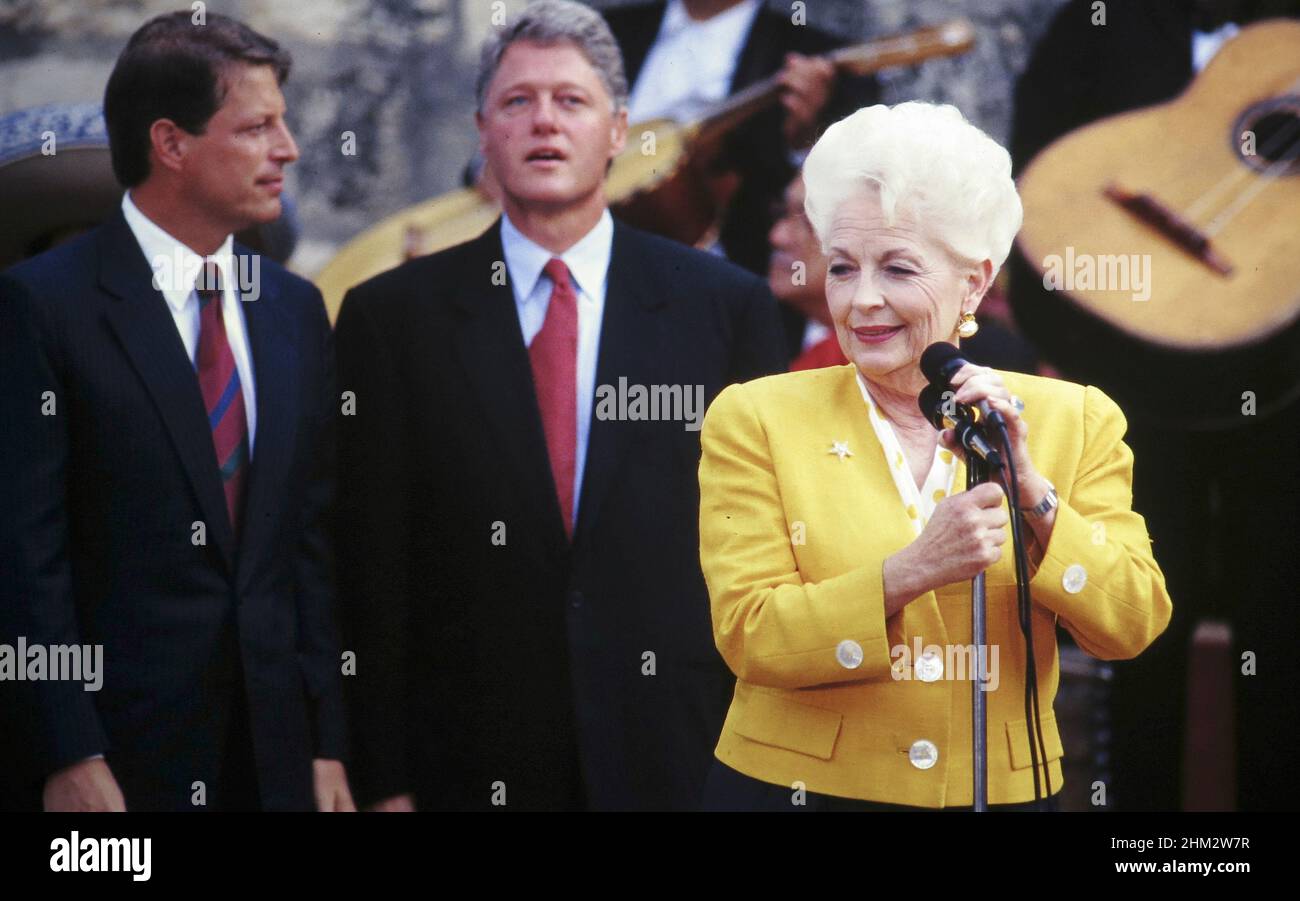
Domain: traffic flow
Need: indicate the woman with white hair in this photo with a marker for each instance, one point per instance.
(837, 540)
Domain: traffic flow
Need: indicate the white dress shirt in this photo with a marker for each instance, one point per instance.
(690, 64)
(588, 262)
(938, 484)
(176, 268)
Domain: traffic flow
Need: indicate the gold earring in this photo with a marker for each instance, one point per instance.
(967, 326)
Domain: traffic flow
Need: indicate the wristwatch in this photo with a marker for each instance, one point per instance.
(1049, 502)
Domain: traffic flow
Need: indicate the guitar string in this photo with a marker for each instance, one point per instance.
(1200, 205)
(1266, 178)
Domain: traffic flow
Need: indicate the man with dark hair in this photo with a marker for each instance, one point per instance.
(172, 69)
(166, 442)
(519, 523)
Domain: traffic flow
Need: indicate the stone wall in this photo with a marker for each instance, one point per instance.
(399, 75)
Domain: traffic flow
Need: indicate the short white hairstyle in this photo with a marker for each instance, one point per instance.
(927, 159)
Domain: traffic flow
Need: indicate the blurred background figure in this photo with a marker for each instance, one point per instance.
(796, 273)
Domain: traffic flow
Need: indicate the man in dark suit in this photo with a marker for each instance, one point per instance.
(167, 459)
(750, 41)
(518, 486)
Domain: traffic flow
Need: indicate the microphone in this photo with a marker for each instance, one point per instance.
(968, 432)
(940, 362)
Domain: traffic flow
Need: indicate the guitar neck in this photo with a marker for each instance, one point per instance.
(951, 38)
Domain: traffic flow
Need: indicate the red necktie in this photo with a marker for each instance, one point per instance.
(554, 356)
(223, 396)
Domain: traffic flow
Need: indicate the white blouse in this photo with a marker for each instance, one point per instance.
(938, 484)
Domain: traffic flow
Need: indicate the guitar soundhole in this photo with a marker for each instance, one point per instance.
(1268, 135)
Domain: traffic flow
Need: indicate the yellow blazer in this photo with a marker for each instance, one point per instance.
(793, 541)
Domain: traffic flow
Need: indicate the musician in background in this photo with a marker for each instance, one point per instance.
(1226, 545)
(684, 57)
(796, 274)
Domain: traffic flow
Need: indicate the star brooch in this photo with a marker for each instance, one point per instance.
(840, 449)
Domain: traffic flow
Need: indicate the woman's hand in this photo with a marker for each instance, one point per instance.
(963, 537)
(974, 384)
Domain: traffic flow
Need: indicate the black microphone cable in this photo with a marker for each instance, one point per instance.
(1033, 716)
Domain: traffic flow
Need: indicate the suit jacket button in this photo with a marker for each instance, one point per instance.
(1074, 579)
(930, 667)
(575, 599)
(923, 754)
(849, 654)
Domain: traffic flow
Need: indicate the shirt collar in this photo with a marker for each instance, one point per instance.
(866, 394)
(919, 503)
(174, 264)
(588, 259)
(881, 423)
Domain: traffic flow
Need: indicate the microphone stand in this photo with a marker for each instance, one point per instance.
(977, 472)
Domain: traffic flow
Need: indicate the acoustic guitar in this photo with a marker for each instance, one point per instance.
(1166, 242)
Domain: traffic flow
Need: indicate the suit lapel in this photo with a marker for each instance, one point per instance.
(853, 420)
(628, 349)
(275, 364)
(761, 54)
(491, 348)
(143, 323)
(637, 35)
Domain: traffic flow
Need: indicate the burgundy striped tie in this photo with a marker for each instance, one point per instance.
(223, 396)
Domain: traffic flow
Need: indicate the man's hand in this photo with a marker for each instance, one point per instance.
(395, 804)
(85, 786)
(331, 782)
(807, 83)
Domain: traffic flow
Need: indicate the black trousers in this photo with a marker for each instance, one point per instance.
(728, 790)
